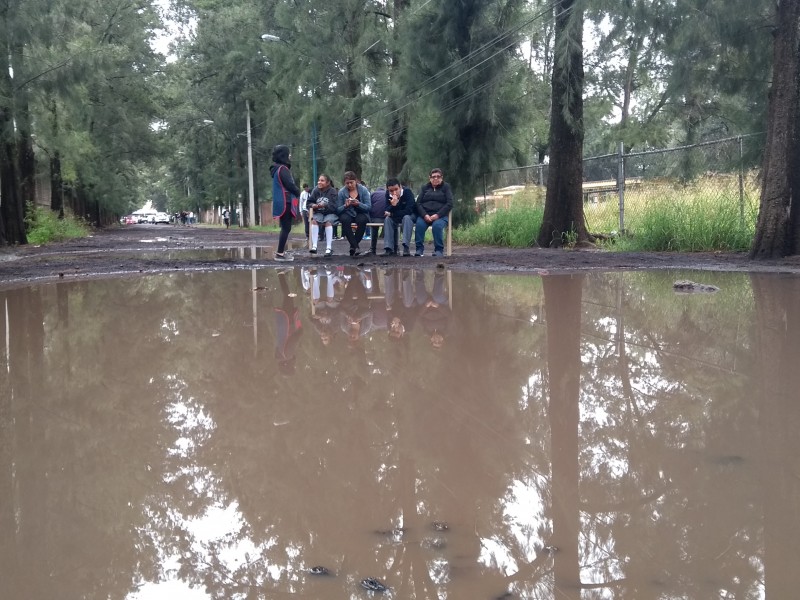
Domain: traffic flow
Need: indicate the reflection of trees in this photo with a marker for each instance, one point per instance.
(778, 342)
(625, 441)
(563, 306)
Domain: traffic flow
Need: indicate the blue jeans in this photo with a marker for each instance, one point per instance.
(437, 226)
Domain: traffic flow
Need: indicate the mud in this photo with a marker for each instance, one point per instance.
(138, 249)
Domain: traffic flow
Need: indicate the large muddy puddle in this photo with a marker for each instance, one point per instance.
(219, 435)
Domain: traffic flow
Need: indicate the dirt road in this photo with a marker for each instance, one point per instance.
(135, 249)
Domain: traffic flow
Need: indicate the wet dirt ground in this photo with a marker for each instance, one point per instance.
(135, 249)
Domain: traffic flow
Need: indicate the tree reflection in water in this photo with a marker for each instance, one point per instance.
(581, 435)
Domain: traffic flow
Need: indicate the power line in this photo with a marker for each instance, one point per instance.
(548, 8)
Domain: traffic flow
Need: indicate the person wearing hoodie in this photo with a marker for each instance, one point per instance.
(285, 194)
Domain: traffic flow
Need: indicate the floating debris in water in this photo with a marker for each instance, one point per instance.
(319, 570)
(684, 286)
(440, 526)
(373, 585)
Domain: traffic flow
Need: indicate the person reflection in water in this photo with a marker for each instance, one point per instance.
(288, 328)
(400, 302)
(434, 309)
(356, 318)
(326, 286)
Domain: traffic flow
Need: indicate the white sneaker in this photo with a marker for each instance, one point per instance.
(284, 257)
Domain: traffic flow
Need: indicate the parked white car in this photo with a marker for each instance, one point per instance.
(162, 217)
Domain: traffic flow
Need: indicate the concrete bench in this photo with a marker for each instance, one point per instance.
(448, 239)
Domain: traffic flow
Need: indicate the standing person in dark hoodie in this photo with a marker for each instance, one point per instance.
(434, 203)
(285, 194)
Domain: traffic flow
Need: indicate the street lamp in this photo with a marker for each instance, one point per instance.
(251, 186)
(250, 183)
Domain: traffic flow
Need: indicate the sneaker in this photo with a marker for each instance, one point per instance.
(284, 257)
(313, 251)
(369, 252)
(419, 253)
(438, 253)
(406, 251)
(388, 252)
(328, 252)
(338, 238)
(355, 252)
(367, 237)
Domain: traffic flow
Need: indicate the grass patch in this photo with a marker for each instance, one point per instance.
(42, 226)
(659, 216)
(703, 221)
(516, 226)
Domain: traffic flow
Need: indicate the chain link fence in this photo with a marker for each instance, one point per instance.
(620, 189)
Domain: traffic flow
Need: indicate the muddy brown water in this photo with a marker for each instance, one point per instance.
(218, 434)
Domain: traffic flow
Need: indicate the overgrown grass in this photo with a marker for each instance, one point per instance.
(43, 225)
(516, 226)
(703, 216)
(702, 221)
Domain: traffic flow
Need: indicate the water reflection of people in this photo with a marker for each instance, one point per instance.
(288, 328)
(434, 308)
(324, 313)
(356, 316)
(400, 302)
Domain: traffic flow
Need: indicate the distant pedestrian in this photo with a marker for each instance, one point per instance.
(303, 208)
(226, 218)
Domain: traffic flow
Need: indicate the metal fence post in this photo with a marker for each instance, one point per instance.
(621, 185)
(485, 201)
(741, 182)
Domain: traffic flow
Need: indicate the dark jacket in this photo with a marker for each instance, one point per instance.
(405, 207)
(285, 192)
(435, 200)
(378, 200)
(330, 195)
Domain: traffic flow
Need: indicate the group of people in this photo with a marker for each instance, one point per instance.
(353, 206)
(356, 303)
(184, 217)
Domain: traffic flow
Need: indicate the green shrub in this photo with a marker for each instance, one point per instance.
(42, 225)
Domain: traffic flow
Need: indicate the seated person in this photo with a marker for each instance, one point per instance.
(323, 200)
(399, 212)
(378, 200)
(434, 203)
(352, 207)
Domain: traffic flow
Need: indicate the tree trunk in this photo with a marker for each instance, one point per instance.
(776, 229)
(56, 188)
(352, 159)
(397, 140)
(563, 211)
(12, 209)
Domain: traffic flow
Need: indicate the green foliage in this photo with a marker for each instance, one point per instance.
(43, 226)
(515, 227)
(704, 222)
